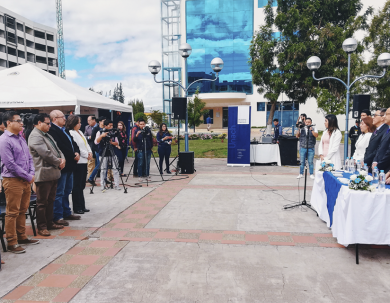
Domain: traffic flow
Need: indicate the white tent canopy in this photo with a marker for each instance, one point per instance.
(27, 86)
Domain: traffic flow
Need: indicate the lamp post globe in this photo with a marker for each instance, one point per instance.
(384, 60)
(154, 67)
(350, 45)
(216, 65)
(313, 63)
(185, 50)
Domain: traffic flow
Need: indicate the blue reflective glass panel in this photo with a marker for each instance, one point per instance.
(263, 3)
(260, 106)
(220, 28)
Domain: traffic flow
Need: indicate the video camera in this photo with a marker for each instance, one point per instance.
(111, 133)
(27, 118)
(146, 129)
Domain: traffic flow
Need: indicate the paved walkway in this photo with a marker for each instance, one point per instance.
(220, 235)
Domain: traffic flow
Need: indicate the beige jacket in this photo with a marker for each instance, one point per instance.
(47, 158)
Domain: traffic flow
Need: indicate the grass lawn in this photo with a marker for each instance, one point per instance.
(212, 148)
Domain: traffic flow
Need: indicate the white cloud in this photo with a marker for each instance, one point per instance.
(118, 38)
(71, 74)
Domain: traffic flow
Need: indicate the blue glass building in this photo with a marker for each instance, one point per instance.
(220, 28)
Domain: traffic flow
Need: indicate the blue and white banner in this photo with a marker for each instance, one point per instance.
(239, 135)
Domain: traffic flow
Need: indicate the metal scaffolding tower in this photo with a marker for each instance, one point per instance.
(60, 39)
(171, 63)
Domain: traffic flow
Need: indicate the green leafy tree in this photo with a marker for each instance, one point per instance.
(318, 27)
(196, 110)
(263, 54)
(137, 105)
(157, 116)
(118, 94)
(93, 90)
(141, 115)
(378, 42)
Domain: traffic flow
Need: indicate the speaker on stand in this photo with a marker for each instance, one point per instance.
(360, 103)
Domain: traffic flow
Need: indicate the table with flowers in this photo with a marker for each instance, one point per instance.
(355, 210)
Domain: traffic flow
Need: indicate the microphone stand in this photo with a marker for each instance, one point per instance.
(303, 202)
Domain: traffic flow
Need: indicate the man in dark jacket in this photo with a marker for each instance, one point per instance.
(133, 145)
(354, 134)
(96, 129)
(144, 140)
(376, 137)
(71, 152)
(382, 157)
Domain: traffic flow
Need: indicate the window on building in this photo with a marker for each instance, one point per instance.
(20, 41)
(263, 3)
(211, 114)
(11, 38)
(21, 54)
(53, 72)
(39, 34)
(12, 64)
(2, 33)
(40, 47)
(220, 29)
(30, 57)
(50, 37)
(40, 59)
(10, 22)
(3, 63)
(260, 106)
(2, 48)
(52, 62)
(287, 113)
(29, 43)
(11, 51)
(1, 19)
(20, 26)
(29, 31)
(50, 49)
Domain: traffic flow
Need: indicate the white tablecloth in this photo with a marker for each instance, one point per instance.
(318, 198)
(361, 217)
(265, 153)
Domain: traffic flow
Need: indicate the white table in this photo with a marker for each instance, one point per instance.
(318, 198)
(265, 153)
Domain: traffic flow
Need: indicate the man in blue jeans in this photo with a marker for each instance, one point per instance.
(307, 135)
(97, 128)
(144, 140)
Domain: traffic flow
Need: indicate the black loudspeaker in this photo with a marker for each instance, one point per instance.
(186, 162)
(360, 102)
(179, 108)
(288, 146)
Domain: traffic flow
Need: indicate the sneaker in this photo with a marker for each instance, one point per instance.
(16, 249)
(72, 217)
(168, 172)
(92, 182)
(300, 176)
(28, 241)
(108, 182)
(141, 179)
(117, 188)
(312, 177)
(103, 189)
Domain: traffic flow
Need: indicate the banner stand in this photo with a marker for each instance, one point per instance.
(239, 135)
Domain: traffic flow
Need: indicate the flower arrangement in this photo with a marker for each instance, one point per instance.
(361, 182)
(327, 165)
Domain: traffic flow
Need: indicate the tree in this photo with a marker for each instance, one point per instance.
(196, 110)
(92, 90)
(139, 116)
(313, 27)
(118, 94)
(378, 41)
(263, 53)
(137, 105)
(157, 116)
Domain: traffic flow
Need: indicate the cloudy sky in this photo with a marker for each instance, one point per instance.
(106, 42)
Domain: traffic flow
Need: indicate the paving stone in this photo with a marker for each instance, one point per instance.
(63, 259)
(188, 236)
(35, 279)
(42, 294)
(80, 281)
(71, 269)
(103, 260)
(280, 239)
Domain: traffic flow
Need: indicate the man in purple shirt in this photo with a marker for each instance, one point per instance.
(17, 170)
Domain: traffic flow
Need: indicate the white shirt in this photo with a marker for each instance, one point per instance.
(361, 145)
(83, 145)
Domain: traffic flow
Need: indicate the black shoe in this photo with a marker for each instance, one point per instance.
(79, 212)
(86, 210)
(108, 182)
(168, 172)
(92, 182)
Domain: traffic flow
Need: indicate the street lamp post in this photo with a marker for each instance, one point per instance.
(185, 51)
(349, 46)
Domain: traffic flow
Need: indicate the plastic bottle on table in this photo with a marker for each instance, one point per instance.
(365, 167)
(351, 166)
(358, 166)
(375, 175)
(382, 181)
(346, 165)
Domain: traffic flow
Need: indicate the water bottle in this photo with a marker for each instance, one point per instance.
(346, 165)
(382, 181)
(352, 166)
(375, 175)
(358, 166)
(365, 167)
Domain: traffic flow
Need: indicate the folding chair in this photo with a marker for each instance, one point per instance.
(32, 211)
(2, 232)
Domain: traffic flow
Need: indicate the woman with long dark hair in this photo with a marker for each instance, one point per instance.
(164, 140)
(73, 125)
(329, 148)
(123, 143)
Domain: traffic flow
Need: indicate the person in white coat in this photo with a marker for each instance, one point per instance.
(73, 124)
(367, 127)
(330, 142)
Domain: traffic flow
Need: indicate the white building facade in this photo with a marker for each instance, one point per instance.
(224, 28)
(24, 41)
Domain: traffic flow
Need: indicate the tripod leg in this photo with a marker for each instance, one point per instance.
(116, 170)
(158, 167)
(99, 168)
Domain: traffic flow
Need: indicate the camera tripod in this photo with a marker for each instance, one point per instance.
(177, 167)
(111, 157)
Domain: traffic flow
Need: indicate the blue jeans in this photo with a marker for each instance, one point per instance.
(95, 171)
(310, 157)
(141, 162)
(61, 203)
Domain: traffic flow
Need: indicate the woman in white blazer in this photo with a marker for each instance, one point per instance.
(73, 125)
(367, 127)
(330, 141)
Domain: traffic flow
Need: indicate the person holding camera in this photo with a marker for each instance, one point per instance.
(144, 140)
(301, 121)
(104, 137)
(123, 144)
(73, 125)
(94, 147)
(164, 140)
(307, 141)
